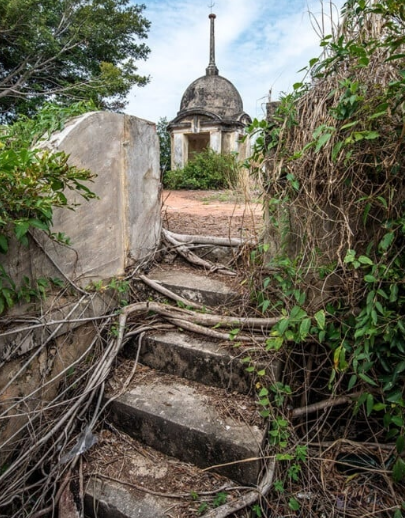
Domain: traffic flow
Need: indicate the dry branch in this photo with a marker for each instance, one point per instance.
(328, 403)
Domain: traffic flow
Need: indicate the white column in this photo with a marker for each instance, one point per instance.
(216, 141)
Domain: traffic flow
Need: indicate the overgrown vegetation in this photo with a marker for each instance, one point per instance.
(334, 193)
(207, 170)
(33, 183)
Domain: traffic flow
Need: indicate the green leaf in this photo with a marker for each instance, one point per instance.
(293, 504)
(395, 397)
(370, 278)
(38, 224)
(352, 382)
(336, 150)
(305, 326)
(369, 404)
(320, 318)
(350, 256)
(367, 379)
(393, 292)
(397, 420)
(283, 324)
(371, 135)
(386, 241)
(3, 244)
(323, 139)
(349, 125)
(398, 471)
(275, 343)
(263, 392)
(20, 229)
(400, 444)
(363, 259)
(297, 313)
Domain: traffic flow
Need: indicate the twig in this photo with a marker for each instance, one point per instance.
(321, 405)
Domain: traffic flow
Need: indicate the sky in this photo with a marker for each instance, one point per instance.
(260, 46)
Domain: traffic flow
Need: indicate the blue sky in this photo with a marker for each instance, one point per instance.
(260, 45)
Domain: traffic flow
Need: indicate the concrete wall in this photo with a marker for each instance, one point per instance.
(123, 226)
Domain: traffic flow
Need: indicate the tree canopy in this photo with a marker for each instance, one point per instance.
(64, 50)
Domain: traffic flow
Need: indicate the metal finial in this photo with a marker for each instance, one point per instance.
(211, 6)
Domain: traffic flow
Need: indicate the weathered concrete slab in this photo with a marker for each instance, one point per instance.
(121, 227)
(198, 288)
(202, 360)
(107, 499)
(145, 477)
(182, 421)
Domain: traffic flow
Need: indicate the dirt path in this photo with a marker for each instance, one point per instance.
(212, 213)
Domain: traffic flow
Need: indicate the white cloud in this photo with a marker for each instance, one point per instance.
(260, 44)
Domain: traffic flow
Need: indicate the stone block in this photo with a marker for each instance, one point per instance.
(159, 414)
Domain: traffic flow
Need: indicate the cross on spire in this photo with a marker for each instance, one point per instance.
(211, 6)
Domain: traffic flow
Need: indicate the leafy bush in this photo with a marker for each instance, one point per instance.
(32, 184)
(207, 170)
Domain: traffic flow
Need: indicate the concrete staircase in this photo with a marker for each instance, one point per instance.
(193, 405)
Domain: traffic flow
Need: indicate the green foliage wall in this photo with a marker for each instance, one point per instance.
(334, 158)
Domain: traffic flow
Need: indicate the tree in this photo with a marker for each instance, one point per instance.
(61, 50)
(165, 144)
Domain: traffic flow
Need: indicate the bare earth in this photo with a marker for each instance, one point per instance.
(211, 213)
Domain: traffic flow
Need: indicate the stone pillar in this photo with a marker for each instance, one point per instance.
(215, 141)
(177, 151)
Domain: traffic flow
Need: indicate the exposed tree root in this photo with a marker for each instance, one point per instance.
(168, 293)
(195, 328)
(193, 258)
(248, 498)
(207, 240)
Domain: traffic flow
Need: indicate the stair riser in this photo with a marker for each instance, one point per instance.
(191, 445)
(108, 500)
(217, 370)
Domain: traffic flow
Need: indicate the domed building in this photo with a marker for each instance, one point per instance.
(211, 115)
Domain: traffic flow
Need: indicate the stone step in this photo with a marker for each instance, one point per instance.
(111, 499)
(145, 478)
(197, 288)
(207, 361)
(197, 424)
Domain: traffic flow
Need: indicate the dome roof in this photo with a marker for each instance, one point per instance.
(215, 94)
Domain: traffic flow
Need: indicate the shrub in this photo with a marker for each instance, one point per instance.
(207, 170)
